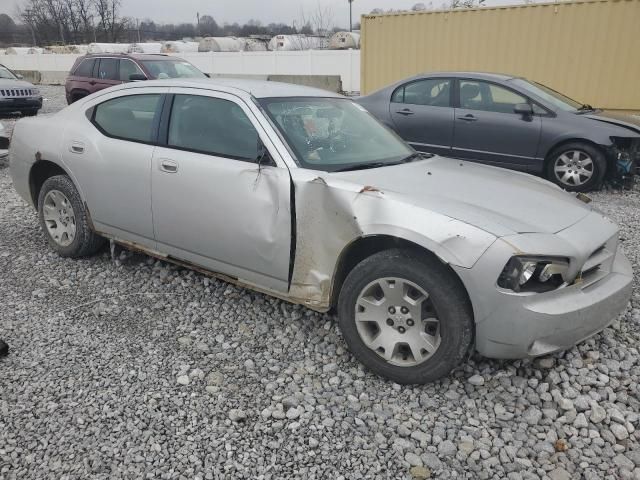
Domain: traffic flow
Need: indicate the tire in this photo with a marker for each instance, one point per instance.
(78, 240)
(577, 159)
(75, 96)
(447, 301)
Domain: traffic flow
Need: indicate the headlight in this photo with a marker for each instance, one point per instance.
(533, 274)
(35, 92)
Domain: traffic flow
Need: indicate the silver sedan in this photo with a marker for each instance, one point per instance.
(303, 195)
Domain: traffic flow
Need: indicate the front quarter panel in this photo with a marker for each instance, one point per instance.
(331, 214)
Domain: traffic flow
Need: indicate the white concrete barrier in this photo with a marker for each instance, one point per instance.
(345, 63)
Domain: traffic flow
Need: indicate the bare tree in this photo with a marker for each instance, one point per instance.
(109, 20)
(454, 4)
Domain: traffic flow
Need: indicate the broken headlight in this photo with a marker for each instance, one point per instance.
(533, 274)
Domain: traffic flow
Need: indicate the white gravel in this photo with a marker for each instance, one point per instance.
(132, 368)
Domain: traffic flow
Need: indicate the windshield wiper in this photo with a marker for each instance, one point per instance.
(586, 108)
(416, 156)
(364, 166)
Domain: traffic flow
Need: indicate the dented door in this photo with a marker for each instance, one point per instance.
(213, 205)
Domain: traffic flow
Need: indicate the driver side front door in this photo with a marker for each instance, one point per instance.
(213, 205)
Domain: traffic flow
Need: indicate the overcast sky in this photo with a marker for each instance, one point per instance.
(267, 11)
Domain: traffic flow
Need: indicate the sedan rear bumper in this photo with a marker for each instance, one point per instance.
(533, 325)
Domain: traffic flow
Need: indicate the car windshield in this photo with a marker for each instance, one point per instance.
(332, 134)
(549, 95)
(162, 69)
(6, 73)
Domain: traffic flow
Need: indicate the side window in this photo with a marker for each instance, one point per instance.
(433, 92)
(213, 126)
(489, 97)
(85, 68)
(108, 69)
(128, 118)
(128, 68)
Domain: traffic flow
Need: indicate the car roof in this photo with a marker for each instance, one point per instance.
(240, 87)
(462, 74)
(137, 56)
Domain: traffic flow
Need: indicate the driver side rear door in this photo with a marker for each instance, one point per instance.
(213, 205)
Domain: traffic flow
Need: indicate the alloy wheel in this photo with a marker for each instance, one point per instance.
(396, 319)
(573, 168)
(59, 218)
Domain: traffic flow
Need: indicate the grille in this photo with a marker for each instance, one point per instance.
(599, 263)
(17, 92)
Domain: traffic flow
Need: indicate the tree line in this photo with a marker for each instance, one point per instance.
(73, 22)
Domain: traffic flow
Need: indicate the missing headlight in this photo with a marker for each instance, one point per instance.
(533, 274)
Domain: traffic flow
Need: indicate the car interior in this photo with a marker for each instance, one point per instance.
(213, 126)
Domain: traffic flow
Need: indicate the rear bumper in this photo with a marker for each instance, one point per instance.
(10, 105)
(534, 325)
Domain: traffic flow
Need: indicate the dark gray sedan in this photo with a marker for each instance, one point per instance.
(510, 122)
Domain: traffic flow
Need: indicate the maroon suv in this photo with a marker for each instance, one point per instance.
(94, 72)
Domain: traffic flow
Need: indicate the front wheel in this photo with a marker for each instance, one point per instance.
(577, 167)
(64, 220)
(405, 316)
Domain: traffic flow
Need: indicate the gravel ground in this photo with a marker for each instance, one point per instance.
(127, 367)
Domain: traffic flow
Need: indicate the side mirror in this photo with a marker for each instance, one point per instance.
(263, 157)
(523, 109)
(137, 77)
(19, 77)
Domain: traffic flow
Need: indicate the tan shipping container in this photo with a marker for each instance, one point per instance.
(587, 50)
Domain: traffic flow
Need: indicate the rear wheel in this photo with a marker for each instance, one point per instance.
(64, 220)
(405, 316)
(577, 167)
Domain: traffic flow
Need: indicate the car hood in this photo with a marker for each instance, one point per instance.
(499, 201)
(8, 83)
(631, 122)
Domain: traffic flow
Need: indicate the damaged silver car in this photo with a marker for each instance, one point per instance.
(301, 194)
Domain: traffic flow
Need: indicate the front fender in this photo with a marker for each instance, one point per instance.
(331, 215)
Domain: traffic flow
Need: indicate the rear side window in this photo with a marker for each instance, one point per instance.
(213, 126)
(85, 69)
(128, 118)
(108, 69)
(432, 92)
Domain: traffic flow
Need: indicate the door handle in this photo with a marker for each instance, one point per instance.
(76, 147)
(468, 118)
(406, 111)
(168, 166)
(92, 82)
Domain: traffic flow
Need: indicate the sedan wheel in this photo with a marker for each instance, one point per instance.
(396, 319)
(64, 219)
(406, 316)
(574, 168)
(59, 218)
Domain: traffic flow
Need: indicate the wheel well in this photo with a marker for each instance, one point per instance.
(547, 158)
(364, 247)
(77, 94)
(40, 172)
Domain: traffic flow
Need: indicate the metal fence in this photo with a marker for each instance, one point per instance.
(589, 50)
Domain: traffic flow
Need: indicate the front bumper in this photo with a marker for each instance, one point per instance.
(10, 105)
(539, 324)
(522, 325)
